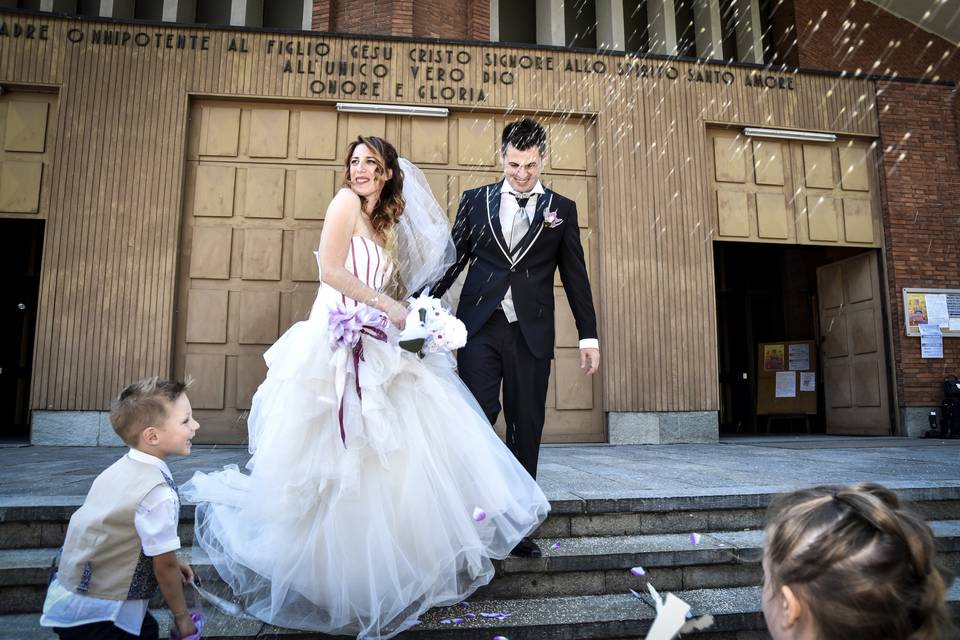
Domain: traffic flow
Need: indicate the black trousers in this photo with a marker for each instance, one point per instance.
(498, 354)
(109, 631)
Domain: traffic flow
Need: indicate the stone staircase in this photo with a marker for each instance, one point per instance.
(578, 589)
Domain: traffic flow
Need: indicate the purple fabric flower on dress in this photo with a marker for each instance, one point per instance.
(346, 323)
(551, 221)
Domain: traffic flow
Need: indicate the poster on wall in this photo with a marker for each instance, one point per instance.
(935, 307)
(931, 341)
(786, 386)
(799, 357)
(773, 358)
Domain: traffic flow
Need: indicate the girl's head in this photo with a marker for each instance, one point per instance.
(841, 563)
(373, 173)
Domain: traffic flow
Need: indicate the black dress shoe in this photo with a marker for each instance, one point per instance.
(527, 548)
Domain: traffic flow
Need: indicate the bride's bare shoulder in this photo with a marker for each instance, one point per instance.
(345, 202)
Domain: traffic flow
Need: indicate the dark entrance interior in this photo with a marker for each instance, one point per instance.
(765, 293)
(21, 248)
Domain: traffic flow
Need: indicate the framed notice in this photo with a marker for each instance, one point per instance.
(939, 307)
(787, 378)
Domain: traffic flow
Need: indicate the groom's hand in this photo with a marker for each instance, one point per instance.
(590, 360)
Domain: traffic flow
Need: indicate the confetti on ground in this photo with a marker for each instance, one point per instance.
(479, 514)
(638, 571)
(694, 538)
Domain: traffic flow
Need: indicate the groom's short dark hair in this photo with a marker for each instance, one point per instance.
(523, 134)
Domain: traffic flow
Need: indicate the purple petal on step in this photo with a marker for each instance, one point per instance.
(555, 545)
(694, 538)
(500, 638)
(490, 615)
(479, 514)
(638, 571)
(470, 616)
(504, 616)
(456, 620)
(636, 595)
(445, 621)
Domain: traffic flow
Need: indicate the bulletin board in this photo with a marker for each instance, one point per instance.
(918, 304)
(787, 381)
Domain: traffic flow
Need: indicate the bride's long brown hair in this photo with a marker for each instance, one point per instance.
(390, 206)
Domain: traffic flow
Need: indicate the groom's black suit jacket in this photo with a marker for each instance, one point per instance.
(529, 273)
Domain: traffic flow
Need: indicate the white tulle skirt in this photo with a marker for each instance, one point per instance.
(361, 537)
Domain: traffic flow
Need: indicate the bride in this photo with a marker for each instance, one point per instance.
(376, 487)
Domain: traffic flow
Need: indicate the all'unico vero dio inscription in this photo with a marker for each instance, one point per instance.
(382, 70)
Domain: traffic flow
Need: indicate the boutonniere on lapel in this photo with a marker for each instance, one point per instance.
(551, 220)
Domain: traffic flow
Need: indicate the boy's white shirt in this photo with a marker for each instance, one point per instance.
(156, 521)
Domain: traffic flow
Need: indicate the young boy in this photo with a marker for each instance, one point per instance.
(121, 543)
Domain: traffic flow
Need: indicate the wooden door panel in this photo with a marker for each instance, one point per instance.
(853, 349)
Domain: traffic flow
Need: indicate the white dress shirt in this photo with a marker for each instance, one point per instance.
(156, 520)
(509, 209)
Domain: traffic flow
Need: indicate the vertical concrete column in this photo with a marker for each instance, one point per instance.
(662, 26)
(709, 29)
(749, 31)
(179, 10)
(550, 23)
(246, 13)
(116, 8)
(494, 20)
(610, 30)
(306, 22)
(57, 6)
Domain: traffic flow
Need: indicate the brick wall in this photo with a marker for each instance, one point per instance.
(919, 159)
(448, 19)
(921, 175)
(860, 35)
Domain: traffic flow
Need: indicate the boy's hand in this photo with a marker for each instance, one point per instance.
(184, 624)
(186, 571)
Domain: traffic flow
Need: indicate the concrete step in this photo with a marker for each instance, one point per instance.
(41, 521)
(736, 613)
(570, 618)
(583, 566)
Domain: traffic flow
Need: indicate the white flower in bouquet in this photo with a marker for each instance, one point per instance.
(430, 328)
(447, 333)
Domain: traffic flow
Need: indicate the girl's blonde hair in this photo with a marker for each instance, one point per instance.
(863, 564)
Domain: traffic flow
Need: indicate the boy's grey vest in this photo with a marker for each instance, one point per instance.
(102, 555)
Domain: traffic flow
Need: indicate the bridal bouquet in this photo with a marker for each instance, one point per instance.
(430, 328)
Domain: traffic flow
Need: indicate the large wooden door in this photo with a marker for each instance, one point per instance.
(853, 348)
(259, 178)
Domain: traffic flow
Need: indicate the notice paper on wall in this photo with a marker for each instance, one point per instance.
(808, 381)
(937, 311)
(786, 384)
(799, 357)
(931, 341)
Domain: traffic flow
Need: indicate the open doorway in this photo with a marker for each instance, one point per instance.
(21, 248)
(826, 296)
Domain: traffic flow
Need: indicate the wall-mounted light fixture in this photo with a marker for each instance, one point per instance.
(788, 134)
(392, 109)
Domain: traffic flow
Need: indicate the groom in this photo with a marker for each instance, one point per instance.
(515, 234)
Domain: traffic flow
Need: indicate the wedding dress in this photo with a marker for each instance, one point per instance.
(358, 530)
